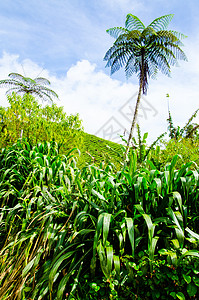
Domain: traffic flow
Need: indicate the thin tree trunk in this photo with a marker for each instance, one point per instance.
(135, 112)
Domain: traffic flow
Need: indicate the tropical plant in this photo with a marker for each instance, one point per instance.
(143, 51)
(26, 85)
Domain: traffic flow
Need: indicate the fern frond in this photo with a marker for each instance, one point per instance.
(133, 23)
(134, 35)
(116, 31)
(179, 35)
(16, 76)
(117, 56)
(41, 80)
(161, 23)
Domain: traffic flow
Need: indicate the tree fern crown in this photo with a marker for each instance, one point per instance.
(144, 50)
(26, 85)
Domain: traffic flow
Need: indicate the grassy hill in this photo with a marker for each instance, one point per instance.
(96, 150)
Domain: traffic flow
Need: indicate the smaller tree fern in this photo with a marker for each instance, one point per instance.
(25, 85)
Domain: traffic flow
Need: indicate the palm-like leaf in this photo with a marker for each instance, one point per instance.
(161, 23)
(116, 31)
(134, 23)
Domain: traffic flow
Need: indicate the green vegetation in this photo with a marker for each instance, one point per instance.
(25, 117)
(70, 233)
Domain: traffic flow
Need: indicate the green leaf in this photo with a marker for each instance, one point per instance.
(116, 31)
(95, 193)
(152, 247)
(178, 198)
(130, 227)
(173, 294)
(103, 260)
(116, 261)
(189, 253)
(187, 278)
(106, 226)
(192, 233)
(180, 296)
(134, 23)
(176, 243)
(196, 280)
(109, 254)
(56, 266)
(161, 23)
(191, 290)
(28, 267)
(151, 227)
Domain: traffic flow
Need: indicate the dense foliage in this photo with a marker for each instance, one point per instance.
(25, 117)
(96, 232)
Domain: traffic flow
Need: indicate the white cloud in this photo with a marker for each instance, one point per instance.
(97, 97)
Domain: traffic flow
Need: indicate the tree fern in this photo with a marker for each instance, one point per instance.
(144, 51)
(26, 85)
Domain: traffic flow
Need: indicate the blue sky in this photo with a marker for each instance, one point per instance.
(66, 40)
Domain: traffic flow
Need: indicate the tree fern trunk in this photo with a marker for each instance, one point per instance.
(135, 112)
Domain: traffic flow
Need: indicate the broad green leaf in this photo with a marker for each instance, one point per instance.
(196, 280)
(189, 253)
(130, 228)
(178, 229)
(191, 290)
(180, 296)
(151, 227)
(173, 294)
(175, 243)
(55, 267)
(109, 254)
(193, 234)
(152, 247)
(103, 259)
(159, 185)
(187, 278)
(95, 193)
(116, 261)
(97, 233)
(106, 226)
(178, 198)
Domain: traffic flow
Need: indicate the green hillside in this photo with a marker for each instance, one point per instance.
(96, 150)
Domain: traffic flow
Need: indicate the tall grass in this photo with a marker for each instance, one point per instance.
(62, 227)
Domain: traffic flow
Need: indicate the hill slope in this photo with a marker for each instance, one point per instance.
(97, 150)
